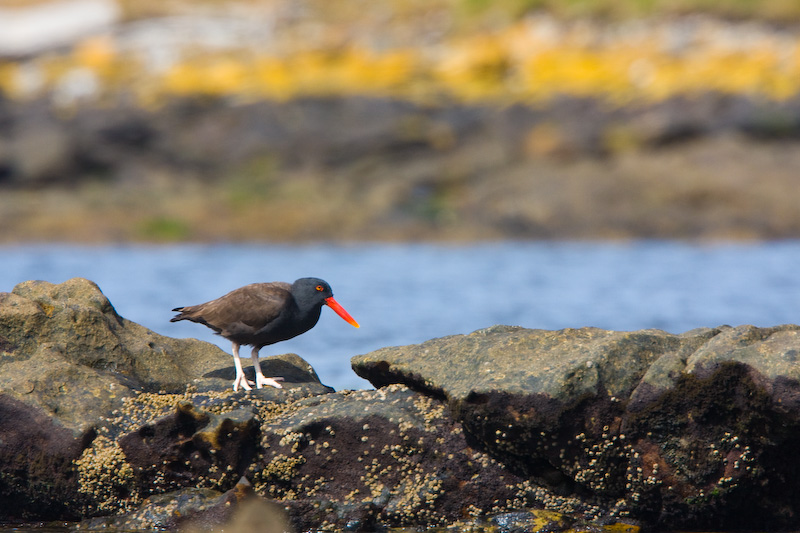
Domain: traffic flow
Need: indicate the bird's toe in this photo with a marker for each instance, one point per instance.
(272, 382)
(240, 380)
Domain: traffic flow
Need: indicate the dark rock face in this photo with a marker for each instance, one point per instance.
(36, 455)
(692, 430)
(196, 509)
(211, 135)
(390, 457)
(357, 459)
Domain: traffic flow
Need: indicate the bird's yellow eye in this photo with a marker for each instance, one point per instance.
(320, 288)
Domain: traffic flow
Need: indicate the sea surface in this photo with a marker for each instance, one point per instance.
(408, 293)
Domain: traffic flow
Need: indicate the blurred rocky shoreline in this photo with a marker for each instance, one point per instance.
(295, 123)
(708, 167)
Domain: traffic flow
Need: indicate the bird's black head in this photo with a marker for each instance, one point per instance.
(311, 290)
(311, 293)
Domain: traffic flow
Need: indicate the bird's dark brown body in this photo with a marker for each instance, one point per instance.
(260, 314)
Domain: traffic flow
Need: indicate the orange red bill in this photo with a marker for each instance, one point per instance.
(333, 304)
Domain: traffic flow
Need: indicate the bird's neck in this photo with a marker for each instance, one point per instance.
(309, 315)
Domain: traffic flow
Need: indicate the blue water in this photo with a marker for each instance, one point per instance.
(404, 294)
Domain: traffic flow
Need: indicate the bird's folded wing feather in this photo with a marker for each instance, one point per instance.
(254, 305)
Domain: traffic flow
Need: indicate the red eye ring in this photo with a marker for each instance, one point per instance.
(320, 288)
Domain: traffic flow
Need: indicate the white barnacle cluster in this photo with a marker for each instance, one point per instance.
(293, 439)
(105, 476)
(735, 460)
(528, 494)
(601, 462)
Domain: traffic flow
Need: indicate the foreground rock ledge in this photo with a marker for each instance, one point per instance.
(508, 428)
(698, 430)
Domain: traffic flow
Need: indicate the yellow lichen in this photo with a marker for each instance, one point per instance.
(529, 61)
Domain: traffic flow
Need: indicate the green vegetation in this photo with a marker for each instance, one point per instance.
(164, 229)
(252, 182)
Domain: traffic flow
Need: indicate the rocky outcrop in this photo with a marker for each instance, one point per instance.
(68, 362)
(696, 430)
(506, 428)
(67, 351)
(356, 459)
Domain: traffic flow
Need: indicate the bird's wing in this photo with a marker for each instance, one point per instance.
(253, 306)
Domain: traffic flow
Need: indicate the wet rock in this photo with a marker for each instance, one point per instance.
(693, 430)
(157, 512)
(195, 509)
(36, 454)
(253, 515)
(524, 521)
(360, 460)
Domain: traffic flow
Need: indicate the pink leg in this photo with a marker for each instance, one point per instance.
(260, 379)
(240, 379)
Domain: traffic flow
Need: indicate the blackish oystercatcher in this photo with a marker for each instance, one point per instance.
(264, 313)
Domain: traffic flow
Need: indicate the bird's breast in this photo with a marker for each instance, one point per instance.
(287, 326)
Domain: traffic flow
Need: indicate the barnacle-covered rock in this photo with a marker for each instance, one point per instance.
(505, 428)
(361, 459)
(158, 443)
(70, 369)
(693, 430)
(197, 509)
